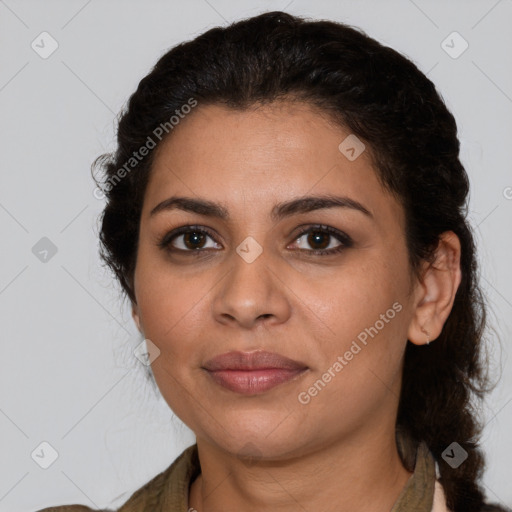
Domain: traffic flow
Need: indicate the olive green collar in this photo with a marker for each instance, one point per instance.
(170, 489)
(418, 493)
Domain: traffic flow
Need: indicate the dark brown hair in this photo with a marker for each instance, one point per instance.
(387, 102)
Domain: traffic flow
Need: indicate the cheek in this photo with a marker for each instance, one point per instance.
(169, 304)
(360, 316)
(352, 298)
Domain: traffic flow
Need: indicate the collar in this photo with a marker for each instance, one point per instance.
(169, 490)
(418, 493)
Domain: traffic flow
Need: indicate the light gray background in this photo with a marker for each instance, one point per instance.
(68, 375)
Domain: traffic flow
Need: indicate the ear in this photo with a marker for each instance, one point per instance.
(436, 291)
(136, 316)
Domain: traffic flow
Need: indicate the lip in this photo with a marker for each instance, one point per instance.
(258, 360)
(253, 372)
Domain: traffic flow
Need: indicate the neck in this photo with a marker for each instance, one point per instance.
(364, 474)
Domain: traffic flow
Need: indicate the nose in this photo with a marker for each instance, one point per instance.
(251, 293)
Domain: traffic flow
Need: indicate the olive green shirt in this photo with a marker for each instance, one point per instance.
(168, 491)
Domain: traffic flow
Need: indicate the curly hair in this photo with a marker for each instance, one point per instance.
(386, 101)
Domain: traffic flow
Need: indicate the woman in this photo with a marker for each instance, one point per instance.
(286, 213)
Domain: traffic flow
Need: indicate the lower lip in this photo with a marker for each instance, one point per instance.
(250, 382)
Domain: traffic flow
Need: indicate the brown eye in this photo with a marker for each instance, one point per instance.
(321, 239)
(318, 239)
(194, 240)
(187, 239)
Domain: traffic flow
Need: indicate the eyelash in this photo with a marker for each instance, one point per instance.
(346, 242)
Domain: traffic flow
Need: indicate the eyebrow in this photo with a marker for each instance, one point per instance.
(279, 211)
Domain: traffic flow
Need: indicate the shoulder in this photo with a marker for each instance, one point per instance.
(169, 486)
(439, 504)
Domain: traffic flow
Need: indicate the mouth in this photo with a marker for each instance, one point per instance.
(251, 382)
(253, 373)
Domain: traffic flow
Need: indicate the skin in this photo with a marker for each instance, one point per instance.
(330, 453)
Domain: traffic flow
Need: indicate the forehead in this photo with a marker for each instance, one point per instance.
(263, 134)
(260, 156)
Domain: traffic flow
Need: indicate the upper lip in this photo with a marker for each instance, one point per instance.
(252, 361)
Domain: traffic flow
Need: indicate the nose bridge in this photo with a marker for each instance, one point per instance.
(251, 288)
(248, 277)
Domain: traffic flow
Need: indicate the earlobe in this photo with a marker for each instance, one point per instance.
(439, 285)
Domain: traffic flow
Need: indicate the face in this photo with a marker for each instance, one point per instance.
(255, 279)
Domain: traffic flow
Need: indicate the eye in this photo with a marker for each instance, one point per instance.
(186, 239)
(319, 236)
(192, 239)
